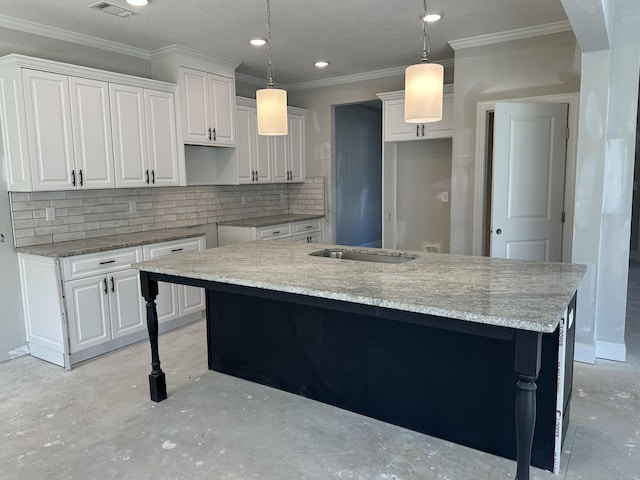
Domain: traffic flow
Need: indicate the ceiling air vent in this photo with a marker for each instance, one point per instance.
(113, 9)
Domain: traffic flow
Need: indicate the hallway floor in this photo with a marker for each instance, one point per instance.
(97, 422)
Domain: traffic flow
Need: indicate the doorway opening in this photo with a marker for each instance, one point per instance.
(358, 173)
(484, 175)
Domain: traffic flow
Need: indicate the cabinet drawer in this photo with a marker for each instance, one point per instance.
(102, 262)
(306, 227)
(159, 250)
(274, 232)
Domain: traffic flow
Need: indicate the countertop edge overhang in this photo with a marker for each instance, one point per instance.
(509, 293)
(113, 242)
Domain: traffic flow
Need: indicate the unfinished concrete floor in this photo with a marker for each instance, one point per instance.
(97, 422)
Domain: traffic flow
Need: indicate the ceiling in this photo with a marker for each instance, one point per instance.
(355, 36)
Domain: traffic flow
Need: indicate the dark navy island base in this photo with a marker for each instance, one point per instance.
(452, 379)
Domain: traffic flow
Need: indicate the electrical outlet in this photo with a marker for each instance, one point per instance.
(50, 214)
(132, 207)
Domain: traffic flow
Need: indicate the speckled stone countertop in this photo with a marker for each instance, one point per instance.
(509, 293)
(113, 242)
(270, 220)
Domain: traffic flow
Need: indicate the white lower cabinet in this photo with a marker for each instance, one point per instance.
(82, 306)
(309, 231)
(173, 300)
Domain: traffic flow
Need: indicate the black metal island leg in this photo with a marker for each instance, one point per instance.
(157, 383)
(528, 350)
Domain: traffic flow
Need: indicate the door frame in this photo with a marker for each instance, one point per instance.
(480, 182)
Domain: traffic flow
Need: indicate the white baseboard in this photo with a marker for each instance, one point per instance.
(585, 353)
(611, 351)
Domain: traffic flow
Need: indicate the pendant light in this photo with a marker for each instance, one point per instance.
(271, 102)
(423, 85)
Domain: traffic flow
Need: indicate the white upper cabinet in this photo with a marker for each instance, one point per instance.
(93, 146)
(397, 130)
(208, 108)
(252, 150)
(162, 145)
(67, 127)
(144, 138)
(129, 136)
(288, 152)
(48, 116)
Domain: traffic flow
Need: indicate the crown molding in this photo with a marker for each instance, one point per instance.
(67, 36)
(249, 80)
(358, 77)
(510, 35)
(179, 50)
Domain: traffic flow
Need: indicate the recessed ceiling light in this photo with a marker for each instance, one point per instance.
(257, 42)
(433, 16)
(138, 3)
(321, 64)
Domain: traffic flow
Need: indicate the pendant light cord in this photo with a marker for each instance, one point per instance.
(270, 64)
(426, 41)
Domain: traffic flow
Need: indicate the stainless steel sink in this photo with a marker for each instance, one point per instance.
(381, 257)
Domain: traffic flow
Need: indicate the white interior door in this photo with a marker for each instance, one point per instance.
(528, 181)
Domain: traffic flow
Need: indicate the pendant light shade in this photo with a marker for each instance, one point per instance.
(271, 102)
(423, 93)
(423, 84)
(272, 111)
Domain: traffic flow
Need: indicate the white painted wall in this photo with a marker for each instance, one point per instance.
(604, 184)
(521, 68)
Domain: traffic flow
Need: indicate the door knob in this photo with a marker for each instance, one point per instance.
(498, 231)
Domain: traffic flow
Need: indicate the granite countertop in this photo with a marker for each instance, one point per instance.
(510, 293)
(270, 220)
(113, 242)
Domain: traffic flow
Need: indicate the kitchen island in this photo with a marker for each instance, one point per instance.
(443, 344)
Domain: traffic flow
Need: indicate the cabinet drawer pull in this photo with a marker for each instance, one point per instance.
(176, 250)
(113, 287)
(107, 261)
(309, 226)
(275, 233)
(106, 289)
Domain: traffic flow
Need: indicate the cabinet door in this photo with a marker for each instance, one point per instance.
(278, 150)
(167, 300)
(88, 312)
(245, 146)
(125, 303)
(443, 128)
(194, 88)
(129, 135)
(91, 119)
(395, 128)
(296, 148)
(263, 155)
(191, 300)
(49, 129)
(161, 137)
(222, 103)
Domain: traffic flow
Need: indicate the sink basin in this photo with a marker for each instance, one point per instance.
(364, 256)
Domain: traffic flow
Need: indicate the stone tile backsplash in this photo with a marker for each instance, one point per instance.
(81, 214)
